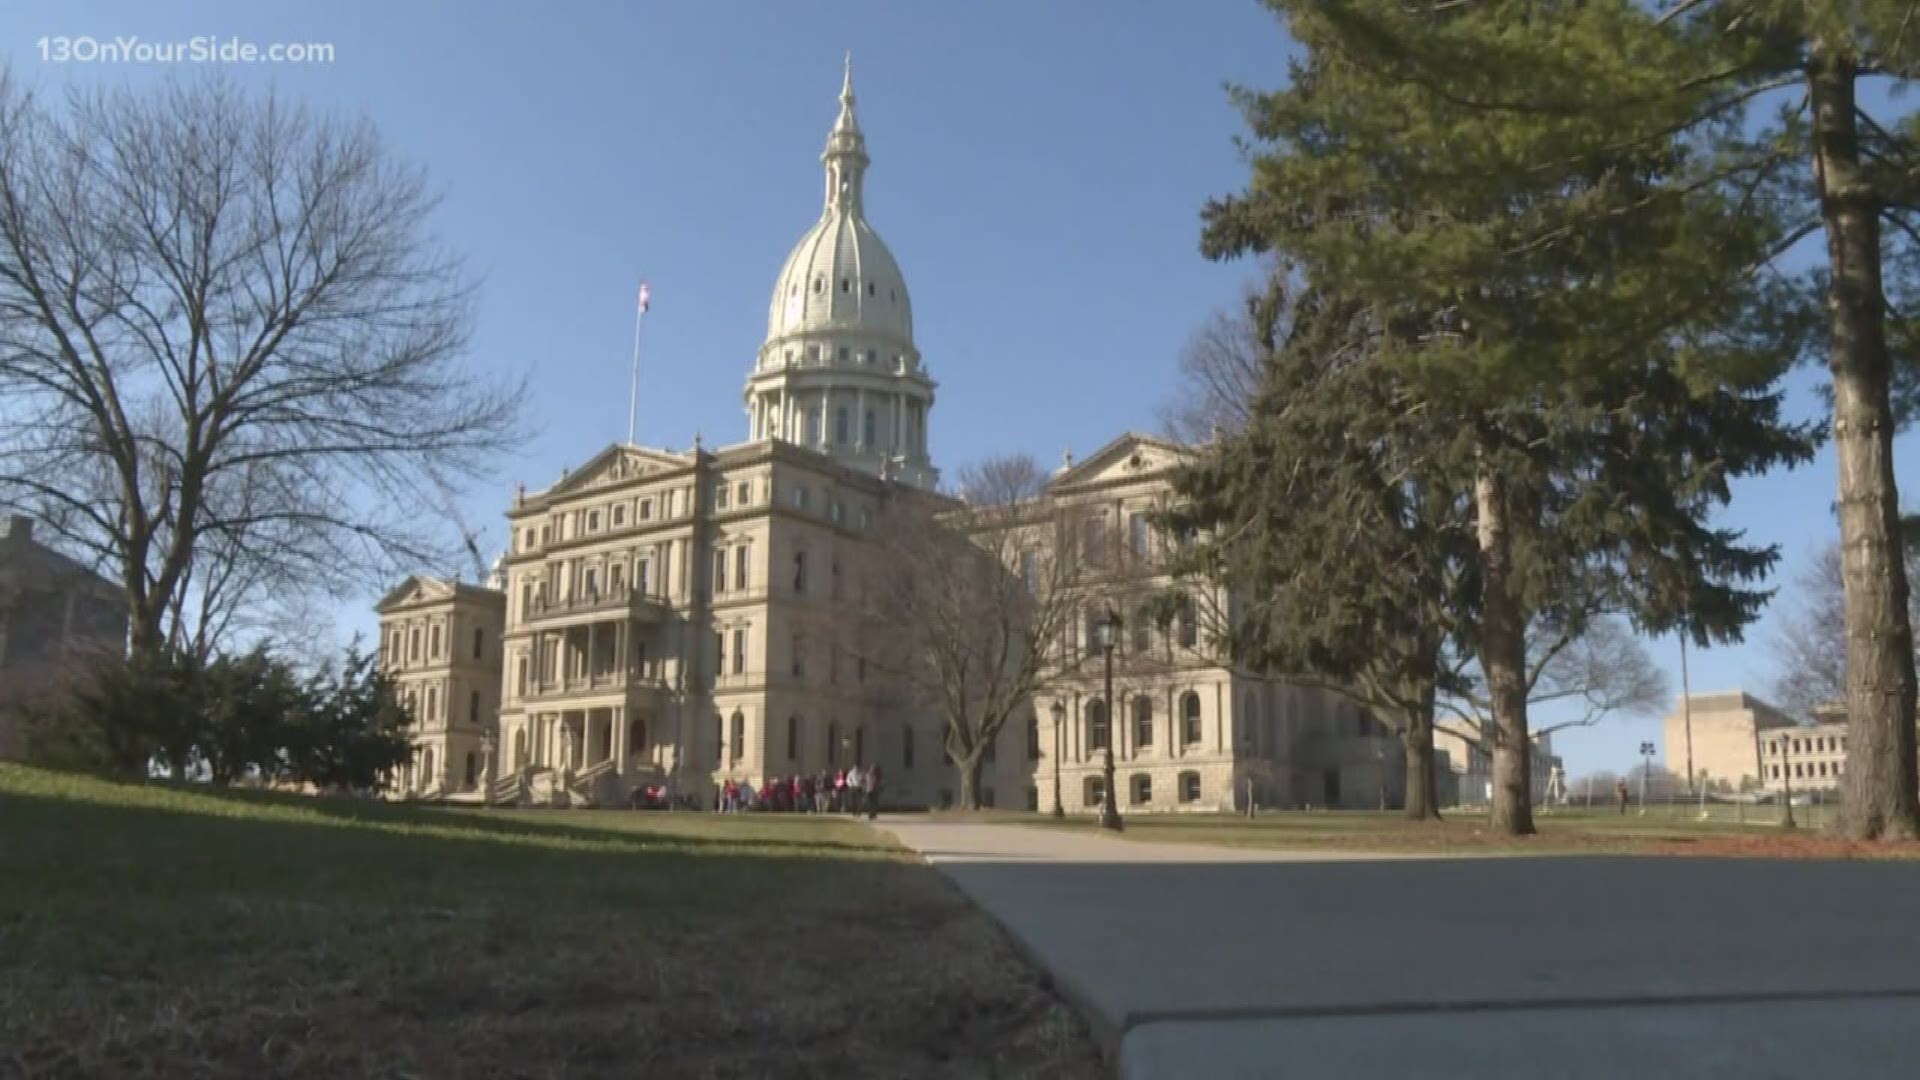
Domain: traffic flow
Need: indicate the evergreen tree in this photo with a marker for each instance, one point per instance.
(1555, 301)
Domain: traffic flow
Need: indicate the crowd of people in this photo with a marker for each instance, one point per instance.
(851, 791)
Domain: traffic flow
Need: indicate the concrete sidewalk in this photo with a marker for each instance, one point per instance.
(1199, 960)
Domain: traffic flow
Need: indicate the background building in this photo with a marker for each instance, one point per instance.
(1741, 743)
(56, 617)
(440, 644)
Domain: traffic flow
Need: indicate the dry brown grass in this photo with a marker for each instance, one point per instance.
(148, 931)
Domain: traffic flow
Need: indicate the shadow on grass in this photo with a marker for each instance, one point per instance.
(147, 937)
(692, 830)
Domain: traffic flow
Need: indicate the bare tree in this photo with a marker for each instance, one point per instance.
(1600, 668)
(228, 349)
(1222, 366)
(964, 603)
(1809, 647)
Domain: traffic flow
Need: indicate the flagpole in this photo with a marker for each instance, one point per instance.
(633, 395)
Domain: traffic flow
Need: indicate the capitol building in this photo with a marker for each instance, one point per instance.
(654, 620)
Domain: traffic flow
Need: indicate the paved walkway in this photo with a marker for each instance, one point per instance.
(1197, 960)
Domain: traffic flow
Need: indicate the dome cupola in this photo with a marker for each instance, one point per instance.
(839, 371)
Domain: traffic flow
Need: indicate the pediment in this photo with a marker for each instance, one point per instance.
(417, 589)
(1128, 457)
(617, 465)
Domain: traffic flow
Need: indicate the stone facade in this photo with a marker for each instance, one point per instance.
(440, 644)
(56, 616)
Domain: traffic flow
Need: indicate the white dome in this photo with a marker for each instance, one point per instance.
(841, 277)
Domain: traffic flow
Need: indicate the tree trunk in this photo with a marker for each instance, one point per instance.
(969, 770)
(1881, 775)
(1503, 656)
(1416, 737)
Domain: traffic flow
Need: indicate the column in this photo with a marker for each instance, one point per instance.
(1174, 749)
(619, 739)
(860, 421)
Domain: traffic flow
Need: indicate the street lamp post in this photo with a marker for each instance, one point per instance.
(1380, 768)
(1059, 727)
(1786, 779)
(1646, 770)
(1110, 807)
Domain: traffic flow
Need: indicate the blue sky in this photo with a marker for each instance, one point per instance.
(1038, 169)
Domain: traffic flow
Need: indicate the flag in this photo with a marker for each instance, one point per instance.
(643, 296)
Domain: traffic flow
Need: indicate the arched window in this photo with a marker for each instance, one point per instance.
(1097, 732)
(1142, 722)
(793, 738)
(1140, 787)
(739, 735)
(1189, 718)
(1189, 787)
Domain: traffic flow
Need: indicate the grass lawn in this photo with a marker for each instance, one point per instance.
(148, 930)
(1661, 831)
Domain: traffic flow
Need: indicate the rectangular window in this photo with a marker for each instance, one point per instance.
(744, 495)
(521, 682)
(593, 582)
(740, 566)
(840, 425)
(646, 509)
(866, 429)
(800, 571)
(473, 706)
(619, 515)
(642, 574)
(799, 657)
(615, 576)
(479, 642)
(1093, 540)
(720, 571)
(719, 652)
(433, 647)
(593, 521)
(793, 737)
(1137, 534)
(739, 651)
(720, 496)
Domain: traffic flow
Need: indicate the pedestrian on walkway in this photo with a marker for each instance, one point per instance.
(853, 791)
(870, 780)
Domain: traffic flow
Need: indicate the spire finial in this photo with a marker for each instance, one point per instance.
(846, 153)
